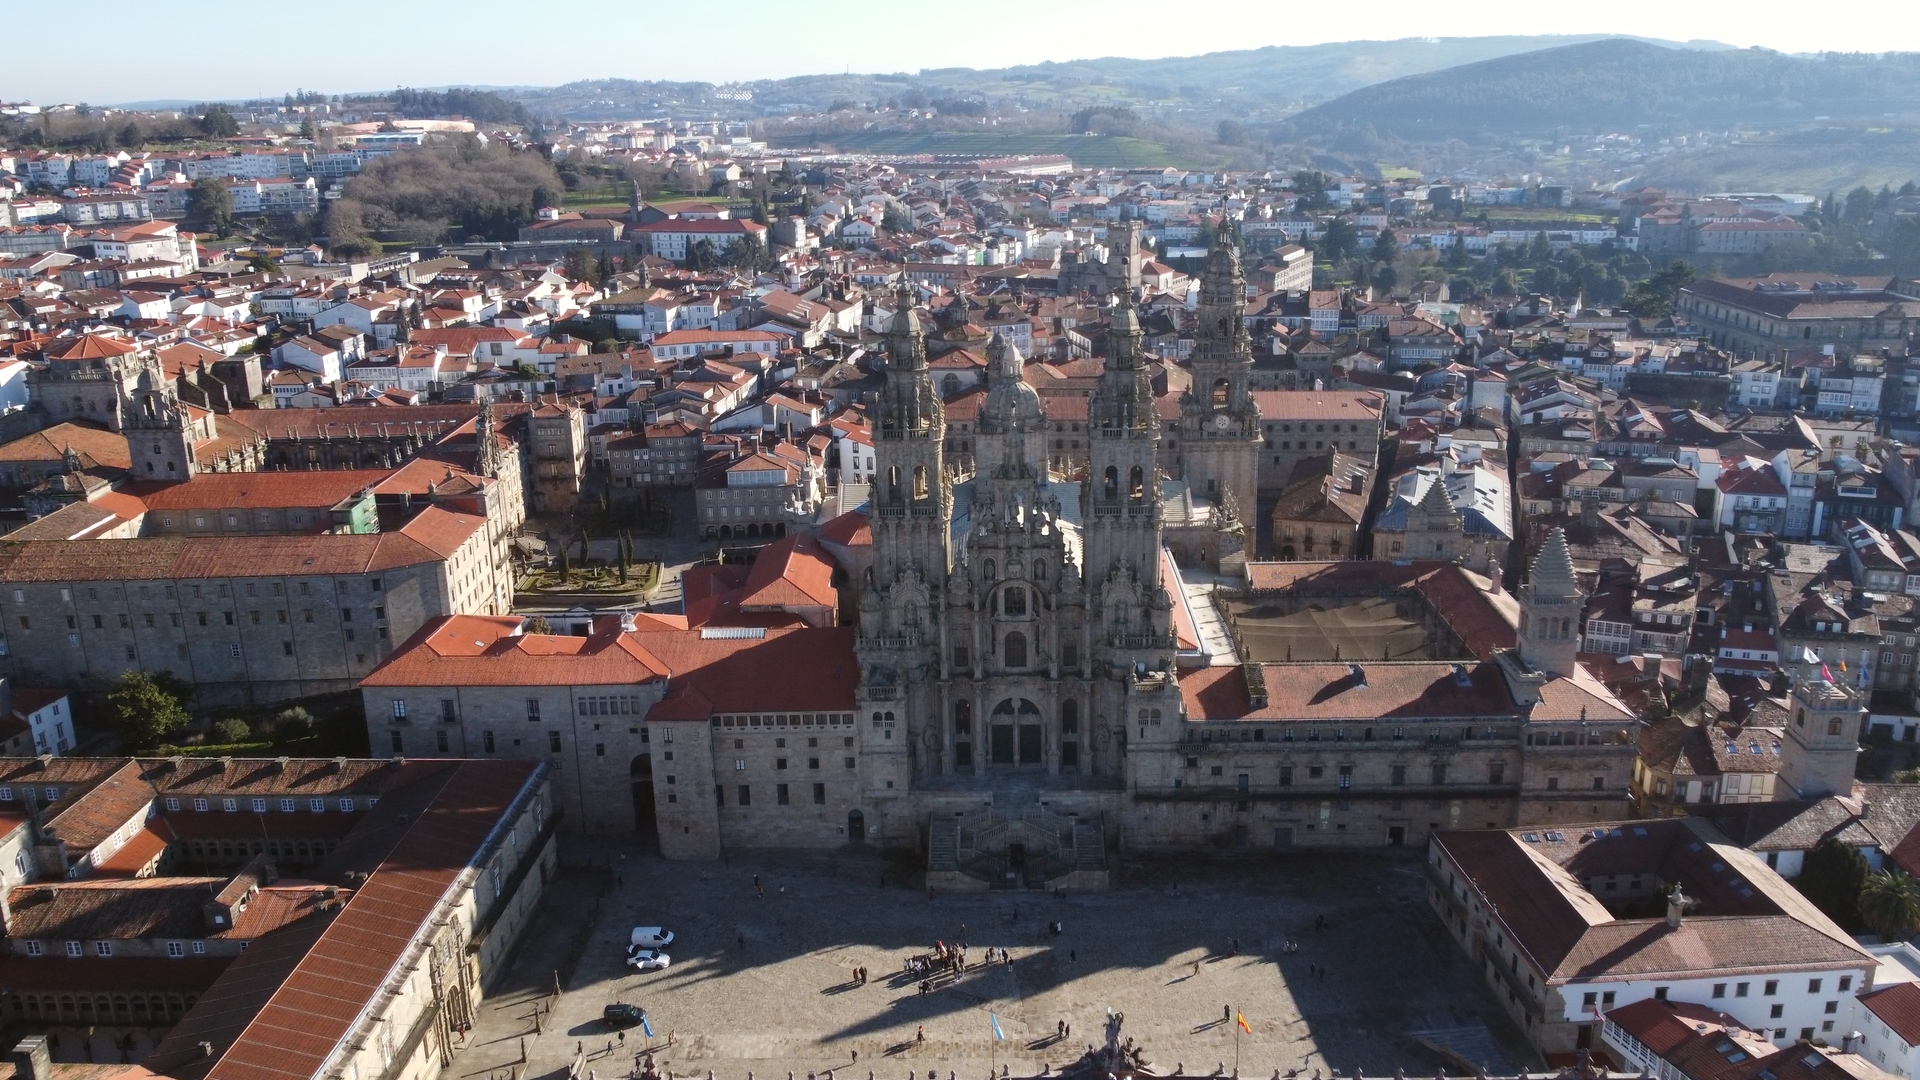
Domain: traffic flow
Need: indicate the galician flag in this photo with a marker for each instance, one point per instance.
(995, 1021)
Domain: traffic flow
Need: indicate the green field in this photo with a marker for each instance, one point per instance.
(1111, 151)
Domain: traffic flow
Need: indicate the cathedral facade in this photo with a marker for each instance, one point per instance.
(1021, 657)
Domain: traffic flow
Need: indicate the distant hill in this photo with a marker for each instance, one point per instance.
(1248, 84)
(1620, 84)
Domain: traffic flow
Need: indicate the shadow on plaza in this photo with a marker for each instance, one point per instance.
(1382, 965)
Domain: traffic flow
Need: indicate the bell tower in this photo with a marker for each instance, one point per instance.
(1552, 605)
(1120, 505)
(1823, 740)
(159, 439)
(912, 501)
(1219, 423)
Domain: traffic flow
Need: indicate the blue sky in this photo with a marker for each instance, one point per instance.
(127, 50)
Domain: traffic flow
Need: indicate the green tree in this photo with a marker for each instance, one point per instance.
(1890, 905)
(210, 206)
(1653, 299)
(263, 262)
(131, 135)
(293, 723)
(701, 255)
(306, 128)
(1832, 877)
(1338, 241)
(895, 219)
(539, 625)
(144, 709)
(1385, 247)
(1230, 132)
(218, 123)
(232, 730)
(564, 566)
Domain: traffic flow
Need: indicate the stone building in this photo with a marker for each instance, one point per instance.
(383, 897)
(557, 436)
(1119, 271)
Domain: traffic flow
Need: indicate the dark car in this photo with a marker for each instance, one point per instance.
(621, 1014)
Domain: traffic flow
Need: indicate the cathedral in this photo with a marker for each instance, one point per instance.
(1029, 662)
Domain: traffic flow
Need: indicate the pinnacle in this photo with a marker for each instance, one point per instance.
(1554, 564)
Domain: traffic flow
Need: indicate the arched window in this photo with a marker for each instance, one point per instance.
(950, 385)
(919, 481)
(1069, 717)
(1220, 387)
(1113, 482)
(1013, 601)
(963, 718)
(1016, 651)
(1136, 482)
(893, 480)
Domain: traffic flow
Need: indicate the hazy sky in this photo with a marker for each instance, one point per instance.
(128, 50)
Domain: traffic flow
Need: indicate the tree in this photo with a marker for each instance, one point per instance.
(895, 219)
(293, 723)
(263, 262)
(218, 123)
(564, 565)
(701, 255)
(210, 205)
(1832, 877)
(1653, 299)
(143, 710)
(1890, 905)
(1385, 247)
(539, 625)
(232, 730)
(131, 136)
(306, 128)
(1339, 241)
(1230, 132)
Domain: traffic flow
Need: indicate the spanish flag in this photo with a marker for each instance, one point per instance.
(1241, 1019)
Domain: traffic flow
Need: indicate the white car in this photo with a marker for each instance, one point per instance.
(648, 960)
(650, 937)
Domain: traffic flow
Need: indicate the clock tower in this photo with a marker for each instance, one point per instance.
(1219, 428)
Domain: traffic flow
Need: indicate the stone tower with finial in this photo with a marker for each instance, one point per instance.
(1552, 605)
(1822, 746)
(1219, 422)
(159, 439)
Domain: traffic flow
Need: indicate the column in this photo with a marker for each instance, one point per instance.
(980, 732)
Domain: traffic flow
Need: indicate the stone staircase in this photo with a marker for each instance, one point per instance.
(1089, 850)
(943, 846)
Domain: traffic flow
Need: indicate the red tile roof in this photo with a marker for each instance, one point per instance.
(1898, 1007)
(257, 490)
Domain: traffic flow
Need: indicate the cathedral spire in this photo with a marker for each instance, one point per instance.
(1124, 334)
(1004, 362)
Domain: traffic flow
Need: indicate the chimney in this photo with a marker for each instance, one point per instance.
(1493, 578)
(1650, 664)
(31, 1059)
(1589, 512)
(1849, 1041)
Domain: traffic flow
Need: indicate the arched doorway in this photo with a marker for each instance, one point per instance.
(1015, 735)
(856, 827)
(645, 822)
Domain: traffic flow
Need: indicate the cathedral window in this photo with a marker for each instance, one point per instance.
(1069, 717)
(1016, 650)
(1013, 601)
(1136, 483)
(919, 481)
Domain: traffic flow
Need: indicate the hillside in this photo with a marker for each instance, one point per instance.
(1249, 84)
(1617, 85)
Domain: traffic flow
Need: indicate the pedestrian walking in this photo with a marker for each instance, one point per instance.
(1059, 1029)
(856, 1057)
(920, 1034)
(1073, 956)
(623, 1038)
(1226, 1014)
